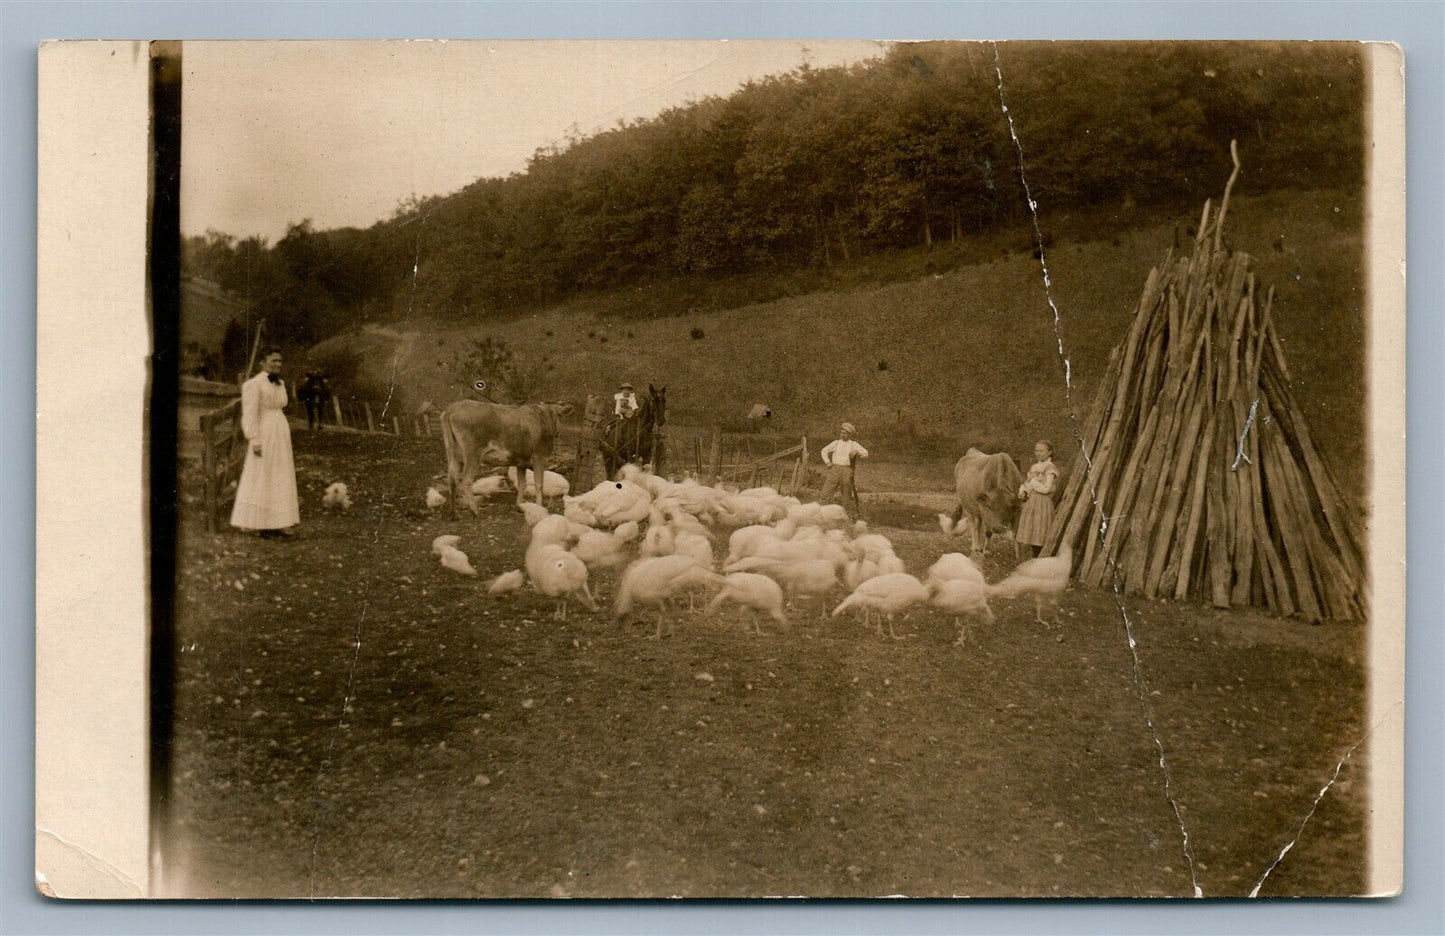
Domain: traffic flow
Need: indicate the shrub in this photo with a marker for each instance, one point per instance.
(698, 334)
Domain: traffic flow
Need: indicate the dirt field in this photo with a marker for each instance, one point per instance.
(353, 720)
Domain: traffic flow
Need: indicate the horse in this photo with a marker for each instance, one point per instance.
(629, 439)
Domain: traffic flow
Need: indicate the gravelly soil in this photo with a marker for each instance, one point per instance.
(354, 720)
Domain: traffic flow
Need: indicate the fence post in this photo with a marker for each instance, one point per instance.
(715, 457)
(336, 405)
(587, 443)
(370, 423)
(800, 467)
(396, 424)
(208, 470)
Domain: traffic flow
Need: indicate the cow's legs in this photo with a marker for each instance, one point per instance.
(468, 478)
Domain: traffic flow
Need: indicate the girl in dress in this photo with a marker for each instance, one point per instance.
(1037, 494)
(266, 496)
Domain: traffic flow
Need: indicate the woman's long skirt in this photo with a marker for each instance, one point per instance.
(266, 497)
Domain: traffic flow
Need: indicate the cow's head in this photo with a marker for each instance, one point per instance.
(560, 407)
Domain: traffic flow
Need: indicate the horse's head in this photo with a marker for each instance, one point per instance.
(658, 400)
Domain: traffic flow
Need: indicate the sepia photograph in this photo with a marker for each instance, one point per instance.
(750, 469)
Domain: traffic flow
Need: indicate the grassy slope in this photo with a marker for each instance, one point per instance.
(971, 354)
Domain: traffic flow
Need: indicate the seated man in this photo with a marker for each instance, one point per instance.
(624, 402)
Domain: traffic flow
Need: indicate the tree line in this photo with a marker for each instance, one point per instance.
(821, 167)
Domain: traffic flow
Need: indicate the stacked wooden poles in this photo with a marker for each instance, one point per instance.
(1198, 477)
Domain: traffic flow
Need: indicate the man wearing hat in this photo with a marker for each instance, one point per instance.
(840, 456)
(624, 402)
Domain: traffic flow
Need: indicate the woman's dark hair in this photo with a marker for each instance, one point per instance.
(267, 352)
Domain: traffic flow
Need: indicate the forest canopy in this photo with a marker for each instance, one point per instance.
(820, 167)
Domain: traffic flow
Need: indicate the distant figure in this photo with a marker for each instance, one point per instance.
(266, 496)
(1037, 493)
(624, 402)
(315, 394)
(841, 456)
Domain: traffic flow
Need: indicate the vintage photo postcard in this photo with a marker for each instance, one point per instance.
(721, 469)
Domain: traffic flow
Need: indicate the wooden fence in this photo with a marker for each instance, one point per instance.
(223, 450)
(359, 416)
(710, 455)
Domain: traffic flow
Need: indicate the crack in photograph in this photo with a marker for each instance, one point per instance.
(745, 469)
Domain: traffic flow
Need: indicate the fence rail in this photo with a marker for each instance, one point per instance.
(708, 454)
(358, 416)
(222, 454)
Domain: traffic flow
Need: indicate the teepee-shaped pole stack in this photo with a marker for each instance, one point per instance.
(1198, 477)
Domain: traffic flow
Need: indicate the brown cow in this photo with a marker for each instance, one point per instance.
(477, 433)
(987, 488)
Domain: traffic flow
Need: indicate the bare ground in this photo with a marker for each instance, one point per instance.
(354, 720)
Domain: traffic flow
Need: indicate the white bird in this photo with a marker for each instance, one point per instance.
(602, 550)
(954, 567)
(557, 573)
(553, 484)
(752, 591)
(859, 571)
(557, 530)
(443, 543)
(655, 485)
(743, 542)
(609, 503)
(888, 594)
(653, 581)
(336, 497)
(435, 498)
(683, 522)
(534, 513)
(456, 560)
(691, 544)
(1044, 578)
(960, 597)
(506, 582)
(872, 546)
(802, 577)
(659, 540)
(793, 550)
(489, 485)
(890, 564)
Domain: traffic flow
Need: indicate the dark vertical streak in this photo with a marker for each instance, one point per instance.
(163, 287)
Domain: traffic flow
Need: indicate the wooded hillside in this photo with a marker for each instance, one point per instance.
(819, 169)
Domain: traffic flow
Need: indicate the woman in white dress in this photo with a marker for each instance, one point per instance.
(266, 497)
